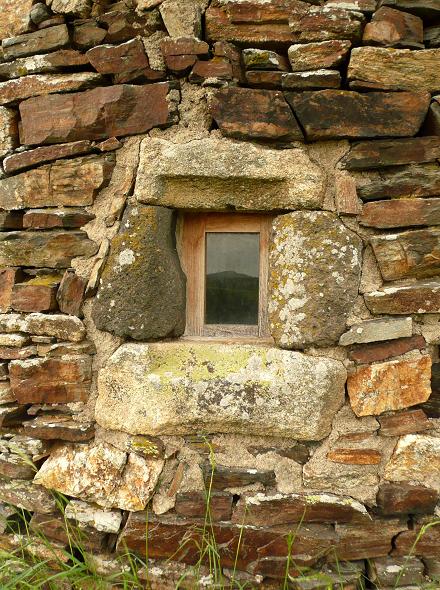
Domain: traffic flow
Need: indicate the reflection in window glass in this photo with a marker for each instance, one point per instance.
(232, 278)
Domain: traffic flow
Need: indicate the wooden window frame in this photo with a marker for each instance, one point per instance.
(193, 253)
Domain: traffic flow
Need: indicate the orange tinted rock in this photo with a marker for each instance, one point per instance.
(391, 385)
(55, 218)
(355, 456)
(381, 351)
(405, 498)
(400, 213)
(43, 155)
(7, 280)
(38, 294)
(315, 56)
(70, 293)
(110, 59)
(364, 541)
(58, 427)
(193, 504)
(394, 28)
(420, 297)
(212, 71)
(404, 423)
(424, 543)
(416, 458)
(183, 46)
(15, 17)
(53, 380)
(95, 114)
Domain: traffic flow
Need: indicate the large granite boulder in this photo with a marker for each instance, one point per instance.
(142, 290)
(314, 273)
(183, 388)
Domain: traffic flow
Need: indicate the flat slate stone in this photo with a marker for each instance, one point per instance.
(100, 113)
(143, 268)
(31, 158)
(413, 181)
(394, 499)
(382, 351)
(53, 249)
(377, 330)
(331, 114)
(245, 113)
(36, 42)
(377, 68)
(408, 254)
(304, 57)
(218, 174)
(311, 291)
(184, 388)
(395, 152)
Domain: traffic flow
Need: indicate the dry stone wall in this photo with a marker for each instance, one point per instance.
(117, 117)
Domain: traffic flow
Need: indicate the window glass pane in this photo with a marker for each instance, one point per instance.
(232, 278)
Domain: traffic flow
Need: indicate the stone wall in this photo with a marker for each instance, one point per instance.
(115, 118)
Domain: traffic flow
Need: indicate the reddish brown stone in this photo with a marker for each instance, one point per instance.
(58, 427)
(400, 213)
(12, 353)
(238, 546)
(413, 181)
(315, 56)
(8, 276)
(42, 155)
(408, 254)
(346, 199)
(38, 294)
(381, 351)
(384, 152)
(364, 541)
(11, 220)
(109, 59)
(88, 34)
(325, 23)
(53, 21)
(180, 63)
(37, 42)
(27, 495)
(52, 380)
(217, 69)
(423, 8)
(244, 113)
(109, 145)
(355, 456)
(139, 76)
(235, 477)
(394, 28)
(341, 113)
(70, 294)
(53, 249)
(95, 114)
(183, 46)
(123, 25)
(264, 79)
(54, 218)
(261, 510)
(418, 542)
(194, 505)
(421, 297)
(404, 423)
(392, 385)
(314, 80)
(56, 528)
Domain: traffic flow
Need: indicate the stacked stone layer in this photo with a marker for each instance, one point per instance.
(115, 119)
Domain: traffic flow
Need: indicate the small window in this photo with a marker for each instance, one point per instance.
(225, 261)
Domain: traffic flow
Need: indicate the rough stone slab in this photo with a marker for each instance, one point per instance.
(394, 28)
(377, 330)
(355, 456)
(416, 458)
(38, 294)
(381, 351)
(55, 527)
(42, 155)
(16, 467)
(42, 324)
(78, 8)
(325, 23)
(58, 427)
(111, 59)
(395, 499)
(101, 474)
(144, 247)
(110, 111)
(71, 293)
(311, 291)
(404, 423)
(424, 8)
(413, 181)
(193, 505)
(12, 353)
(56, 218)
(223, 477)
(106, 521)
(312, 80)
(36, 42)
(383, 152)
(14, 340)
(11, 220)
(329, 114)
(70, 183)
(15, 17)
(396, 572)
(400, 213)
(420, 297)
(215, 174)
(8, 276)
(392, 385)
(13, 91)
(426, 541)
(246, 113)
(53, 249)
(408, 254)
(365, 541)
(365, 6)
(27, 495)
(316, 56)
(263, 59)
(182, 388)
(377, 68)
(48, 63)
(261, 509)
(8, 130)
(52, 380)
